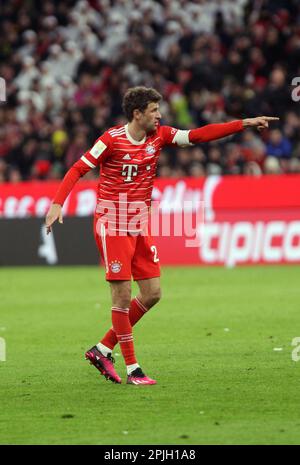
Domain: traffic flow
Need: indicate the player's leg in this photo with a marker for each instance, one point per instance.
(121, 296)
(122, 331)
(117, 256)
(149, 295)
(145, 263)
(146, 271)
(136, 311)
(139, 305)
(116, 252)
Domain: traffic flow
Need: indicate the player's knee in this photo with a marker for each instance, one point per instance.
(122, 301)
(121, 296)
(153, 298)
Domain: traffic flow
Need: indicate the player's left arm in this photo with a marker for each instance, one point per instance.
(91, 159)
(211, 132)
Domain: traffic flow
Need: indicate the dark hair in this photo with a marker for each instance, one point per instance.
(138, 98)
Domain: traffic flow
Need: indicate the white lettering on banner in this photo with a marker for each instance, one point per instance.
(271, 253)
(209, 188)
(239, 253)
(207, 232)
(86, 202)
(18, 208)
(292, 251)
(42, 205)
(244, 242)
(27, 206)
(173, 198)
(24, 207)
(10, 207)
(258, 243)
(224, 242)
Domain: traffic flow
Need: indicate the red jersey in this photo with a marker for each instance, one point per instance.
(127, 171)
(128, 167)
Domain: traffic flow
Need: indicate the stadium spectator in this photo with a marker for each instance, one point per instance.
(278, 146)
(272, 166)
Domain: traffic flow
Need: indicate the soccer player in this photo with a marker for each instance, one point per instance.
(127, 156)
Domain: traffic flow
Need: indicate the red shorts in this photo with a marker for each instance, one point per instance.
(127, 256)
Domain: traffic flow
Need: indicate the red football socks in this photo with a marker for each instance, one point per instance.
(136, 311)
(123, 330)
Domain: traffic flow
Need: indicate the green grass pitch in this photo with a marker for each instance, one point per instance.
(210, 344)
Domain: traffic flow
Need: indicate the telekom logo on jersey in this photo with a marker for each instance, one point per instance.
(129, 171)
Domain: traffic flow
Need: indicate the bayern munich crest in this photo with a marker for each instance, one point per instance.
(115, 266)
(150, 149)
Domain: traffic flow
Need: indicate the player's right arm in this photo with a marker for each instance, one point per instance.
(91, 159)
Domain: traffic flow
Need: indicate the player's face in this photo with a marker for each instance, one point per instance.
(150, 117)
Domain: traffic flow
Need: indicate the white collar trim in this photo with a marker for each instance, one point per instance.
(133, 141)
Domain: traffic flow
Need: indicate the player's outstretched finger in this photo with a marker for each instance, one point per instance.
(271, 118)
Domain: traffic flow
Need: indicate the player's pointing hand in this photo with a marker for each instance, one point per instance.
(54, 213)
(261, 122)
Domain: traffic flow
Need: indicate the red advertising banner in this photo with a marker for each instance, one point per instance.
(243, 220)
(246, 220)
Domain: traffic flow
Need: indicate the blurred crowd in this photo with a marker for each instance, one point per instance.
(67, 65)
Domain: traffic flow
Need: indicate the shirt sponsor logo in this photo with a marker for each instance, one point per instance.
(98, 148)
(115, 266)
(129, 171)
